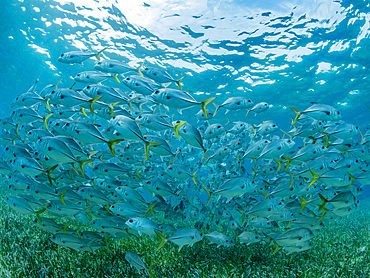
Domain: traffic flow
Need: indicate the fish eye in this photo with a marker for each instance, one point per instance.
(128, 78)
(131, 221)
(156, 92)
(78, 74)
(88, 87)
(218, 126)
(249, 100)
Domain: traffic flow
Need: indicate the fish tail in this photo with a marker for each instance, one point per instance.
(276, 249)
(324, 202)
(82, 110)
(150, 208)
(82, 164)
(138, 70)
(178, 82)
(91, 102)
(315, 177)
(204, 153)
(44, 119)
(163, 239)
(176, 128)
(97, 55)
(61, 197)
(298, 114)
(150, 273)
(289, 160)
(111, 143)
(48, 104)
(64, 228)
(253, 130)
(195, 182)
(38, 215)
(204, 103)
(217, 107)
(291, 177)
(323, 214)
(74, 168)
(48, 171)
(115, 77)
(264, 194)
(280, 164)
(304, 203)
(209, 194)
(110, 107)
(352, 178)
(208, 158)
(287, 134)
(130, 103)
(327, 145)
(147, 145)
(362, 137)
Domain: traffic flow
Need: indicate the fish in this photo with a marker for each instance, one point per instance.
(220, 239)
(319, 112)
(73, 57)
(179, 99)
(138, 263)
(161, 76)
(182, 237)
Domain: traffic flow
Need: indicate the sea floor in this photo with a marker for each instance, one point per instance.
(341, 249)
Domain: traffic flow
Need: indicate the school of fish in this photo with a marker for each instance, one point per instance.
(118, 160)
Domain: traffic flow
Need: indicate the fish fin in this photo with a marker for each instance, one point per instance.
(48, 104)
(115, 77)
(209, 194)
(83, 112)
(176, 128)
(111, 143)
(315, 177)
(163, 239)
(324, 202)
(297, 116)
(287, 134)
(195, 182)
(352, 178)
(48, 171)
(138, 70)
(280, 164)
(44, 119)
(97, 55)
(147, 145)
(276, 249)
(178, 82)
(304, 203)
(217, 107)
(324, 213)
(204, 103)
(207, 160)
(61, 197)
(362, 137)
(288, 159)
(91, 102)
(264, 194)
(82, 164)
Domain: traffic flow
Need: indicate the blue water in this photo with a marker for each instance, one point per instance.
(287, 53)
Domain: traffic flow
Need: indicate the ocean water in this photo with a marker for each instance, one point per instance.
(286, 53)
